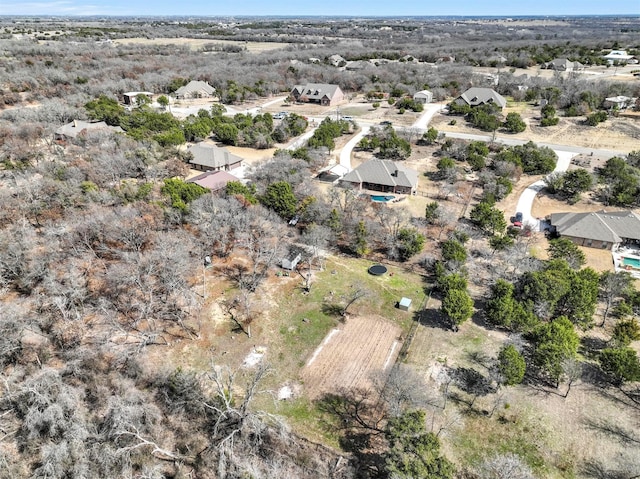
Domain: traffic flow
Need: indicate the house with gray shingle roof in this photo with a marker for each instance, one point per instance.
(208, 157)
(320, 93)
(195, 89)
(477, 96)
(80, 128)
(600, 229)
(564, 65)
(383, 175)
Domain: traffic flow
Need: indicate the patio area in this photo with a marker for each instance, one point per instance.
(627, 258)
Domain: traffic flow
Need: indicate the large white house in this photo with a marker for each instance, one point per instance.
(619, 56)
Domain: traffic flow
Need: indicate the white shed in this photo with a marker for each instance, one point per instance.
(290, 262)
(404, 304)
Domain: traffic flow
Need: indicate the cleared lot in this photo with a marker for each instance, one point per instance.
(350, 354)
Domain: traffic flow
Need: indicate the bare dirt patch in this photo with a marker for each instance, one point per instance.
(350, 354)
(617, 133)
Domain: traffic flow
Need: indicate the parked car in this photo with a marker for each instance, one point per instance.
(347, 118)
(385, 123)
(518, 218)
(281, 115)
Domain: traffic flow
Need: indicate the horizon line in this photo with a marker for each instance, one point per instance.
(501, 16)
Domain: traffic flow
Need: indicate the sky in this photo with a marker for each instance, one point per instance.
(365, 8)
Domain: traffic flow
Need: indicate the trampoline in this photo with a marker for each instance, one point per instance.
(377, 270)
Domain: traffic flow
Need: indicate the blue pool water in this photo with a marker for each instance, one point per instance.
(382, 198)
(633, 262)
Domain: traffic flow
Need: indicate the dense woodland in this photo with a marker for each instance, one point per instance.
(102, 244)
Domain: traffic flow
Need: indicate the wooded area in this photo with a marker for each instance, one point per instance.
(110, 258)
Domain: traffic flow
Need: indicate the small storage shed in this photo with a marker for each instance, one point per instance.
(291, 261)
(404, 304)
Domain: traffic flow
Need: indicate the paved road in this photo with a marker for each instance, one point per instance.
(514, 141)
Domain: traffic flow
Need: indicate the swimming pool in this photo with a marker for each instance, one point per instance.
(382, 198)
(633, 262)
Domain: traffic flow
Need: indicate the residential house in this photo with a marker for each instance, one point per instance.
(383, 175)
(564, 65)
(476, 96)
(496, 60)
(320, 93)
(208, 157)
(213, 180)
(618, 102)
(131, 98)
(446, 59)
(337, 61)
(357, 65)
(195, 89)
(423, 96)
(601, 229)
(618, 56)
(80, 128)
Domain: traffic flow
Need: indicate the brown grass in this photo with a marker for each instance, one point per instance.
(196, 43)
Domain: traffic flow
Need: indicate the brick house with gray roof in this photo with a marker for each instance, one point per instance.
(195, 89)
(320, 93)
(477, 96)
(208, 157)
(600, 229)
(383, 175)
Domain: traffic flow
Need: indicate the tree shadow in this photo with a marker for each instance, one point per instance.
(590, 346)
(478, 317)
(472, 381)
(595, 469)
(480, 358)
(332, 309)
(629, 399)
(592, 374)
(615, 431)
(356, 416)
(431, 318)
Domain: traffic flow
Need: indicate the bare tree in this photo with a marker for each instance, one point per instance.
(355, 293)
(241, 310)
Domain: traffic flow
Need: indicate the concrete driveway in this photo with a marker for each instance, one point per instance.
(525, 202)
